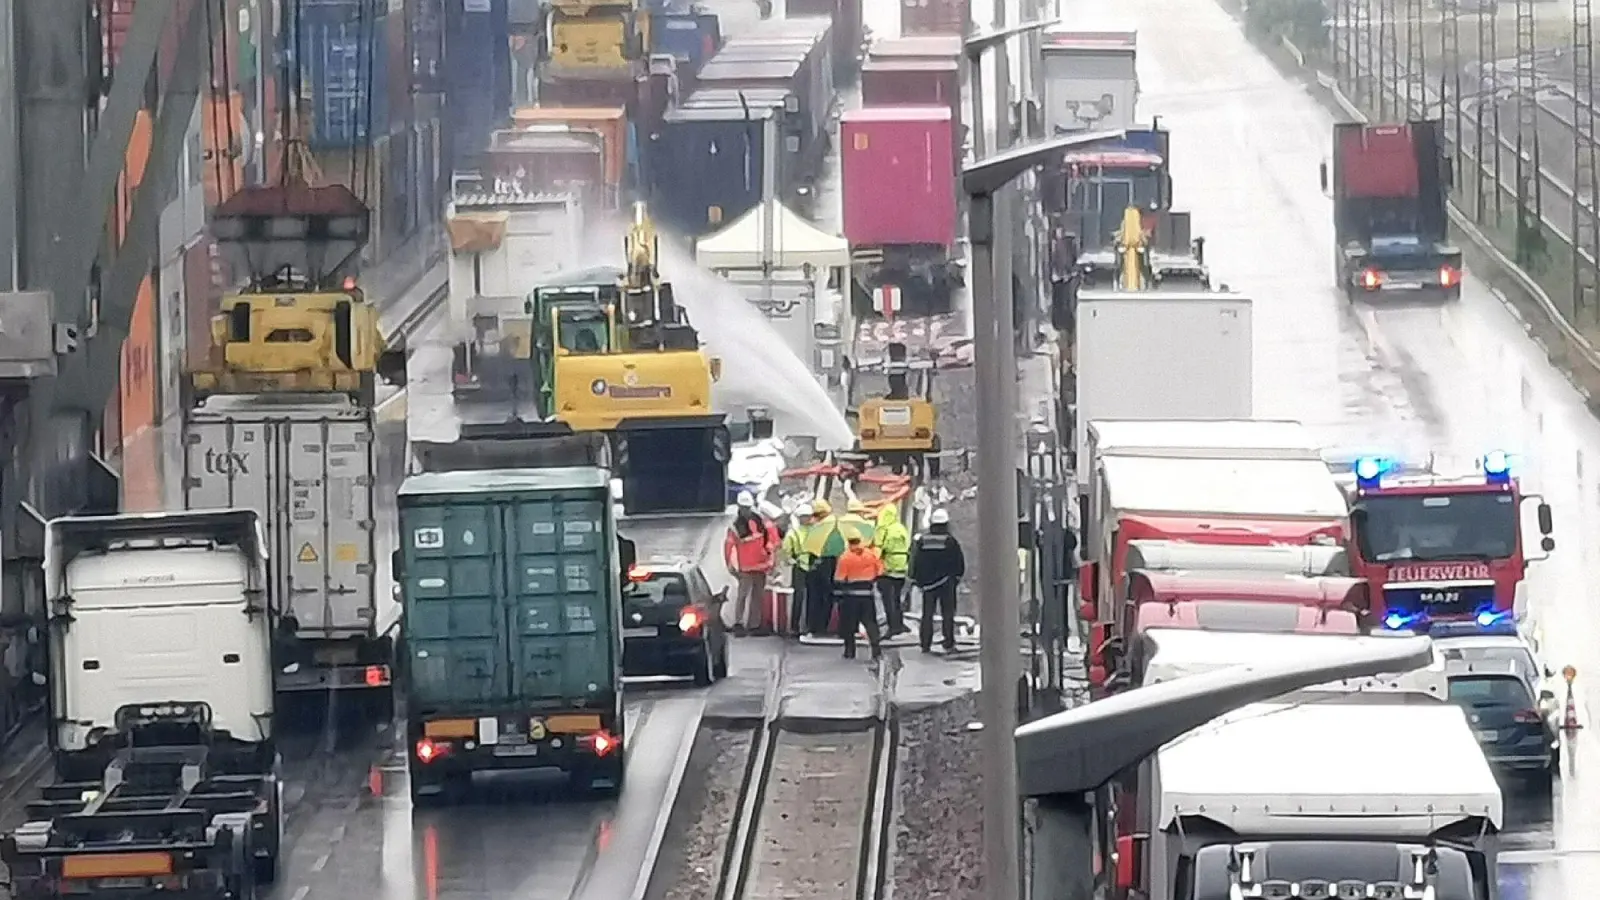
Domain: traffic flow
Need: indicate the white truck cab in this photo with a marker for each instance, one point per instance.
(158, 618)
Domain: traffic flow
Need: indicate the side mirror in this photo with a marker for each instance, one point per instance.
(1546, 520)
(1323, 172)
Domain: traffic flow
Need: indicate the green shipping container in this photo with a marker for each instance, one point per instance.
(509, 580)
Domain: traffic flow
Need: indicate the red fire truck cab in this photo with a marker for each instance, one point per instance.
(1442, 548)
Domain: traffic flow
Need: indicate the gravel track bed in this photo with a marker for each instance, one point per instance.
(938, 833)
(707, 804)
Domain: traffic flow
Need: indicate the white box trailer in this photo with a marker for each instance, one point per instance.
(1091, 78)
(1162, 355)
(307, 463)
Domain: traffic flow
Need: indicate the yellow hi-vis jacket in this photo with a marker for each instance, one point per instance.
(793, 550)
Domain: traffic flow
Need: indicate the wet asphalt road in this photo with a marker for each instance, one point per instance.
(1458, 380)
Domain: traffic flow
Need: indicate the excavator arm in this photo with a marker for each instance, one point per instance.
(1133, 248)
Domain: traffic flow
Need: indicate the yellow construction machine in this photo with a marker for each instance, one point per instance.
(595, 37)
(1142, 264)
(900, 428)
(621, 357)
(300, 324)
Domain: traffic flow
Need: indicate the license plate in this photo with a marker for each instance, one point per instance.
(1488, 737)
(651, 631)
(1403, 285)
(121, 884)
(521, 750)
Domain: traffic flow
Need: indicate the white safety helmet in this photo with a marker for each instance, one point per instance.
(939, 517)
(747, 500)
(805, 509)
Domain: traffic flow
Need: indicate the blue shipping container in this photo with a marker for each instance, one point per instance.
(344, 70)
(477, 67)
(690, 38)
(724, 150)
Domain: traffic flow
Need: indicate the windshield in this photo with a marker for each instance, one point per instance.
(658, 588)
(1480, 526)
(1489, 690)
(1208, 876)
(584, 332)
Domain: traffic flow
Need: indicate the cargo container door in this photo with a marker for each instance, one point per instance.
(228, 464)
(561, 569)
(455, 609)
(327, 497)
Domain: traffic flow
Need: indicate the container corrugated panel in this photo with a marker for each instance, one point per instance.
(810, 79)
(344, 71)
(898, 176)
(425, 20)
(509, 597)
(799, 138)
(1378, 161)
(915, 82)
(724, 151)
(847, 29)
(477, 74)
(611, 123)
(924, 46)
(934, 17)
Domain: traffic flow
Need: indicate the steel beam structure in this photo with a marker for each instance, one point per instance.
(1450, 73)
(1388, 87)
(1527, 138)
(1415, 70)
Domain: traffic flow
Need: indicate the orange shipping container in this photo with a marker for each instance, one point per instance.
(611, 122)
(224, 129)
(138, 381)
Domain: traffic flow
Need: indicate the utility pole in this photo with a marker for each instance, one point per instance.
(1450, 74)
(1584, 181)
(1527, 142)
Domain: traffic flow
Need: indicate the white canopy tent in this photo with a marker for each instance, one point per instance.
(796, 243)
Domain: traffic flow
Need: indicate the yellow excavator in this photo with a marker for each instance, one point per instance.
(900, 428)
(620, 357)
(1138, 269)
(300, 324)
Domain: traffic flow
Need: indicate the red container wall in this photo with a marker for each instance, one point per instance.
(847, 27)
(898, 172)
(933, 17)
(926, 46)
(1378, 161)
(912, 83)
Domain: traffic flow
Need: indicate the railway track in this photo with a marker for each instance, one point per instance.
(814, 810)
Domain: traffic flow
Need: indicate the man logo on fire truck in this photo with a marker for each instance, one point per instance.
(1442, 548)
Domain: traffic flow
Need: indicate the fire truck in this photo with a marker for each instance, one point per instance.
(1441, 547)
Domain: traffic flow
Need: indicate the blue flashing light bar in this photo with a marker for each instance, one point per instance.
(1487, 620)
(1497, 466)
(1369, 470)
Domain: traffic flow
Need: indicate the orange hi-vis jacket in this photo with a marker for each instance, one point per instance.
(858, 564)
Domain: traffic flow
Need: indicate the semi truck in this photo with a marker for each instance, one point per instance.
(278, 418)
(510, 569)
(1390, 185)
(166, 772)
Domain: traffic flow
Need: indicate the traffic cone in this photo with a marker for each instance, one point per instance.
(1569, 714)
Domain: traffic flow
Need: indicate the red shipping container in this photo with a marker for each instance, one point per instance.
(205, 278)
(912, 82)
(1378, 161)
(898, 173)
(934, 17)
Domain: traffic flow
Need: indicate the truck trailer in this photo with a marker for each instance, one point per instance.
(510, 568)
(308, 464)
(161, 698)
(1390, 185)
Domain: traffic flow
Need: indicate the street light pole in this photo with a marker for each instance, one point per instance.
(999, 610)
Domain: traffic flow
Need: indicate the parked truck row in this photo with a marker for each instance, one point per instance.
(1212, 536)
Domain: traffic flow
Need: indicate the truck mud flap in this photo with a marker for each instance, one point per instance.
(666, 469)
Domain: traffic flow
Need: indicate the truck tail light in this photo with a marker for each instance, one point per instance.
(690, 620)
(1449, 276)
(429, 750)
(601, 743)
(377, 676)
(1371, 279)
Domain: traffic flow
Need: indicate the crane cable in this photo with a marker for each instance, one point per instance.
(224, 146)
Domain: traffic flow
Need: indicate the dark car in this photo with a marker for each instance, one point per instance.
(1507, 712)
(672, 623)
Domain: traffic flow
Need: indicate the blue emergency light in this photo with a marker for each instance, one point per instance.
(1497, 466)
(1370, 469)
(1487, 620)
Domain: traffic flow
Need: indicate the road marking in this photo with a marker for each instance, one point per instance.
(301, 892)
(321, 863)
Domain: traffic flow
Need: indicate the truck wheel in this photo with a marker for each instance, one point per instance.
(266, 869)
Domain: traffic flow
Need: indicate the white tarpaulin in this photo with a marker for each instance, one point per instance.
(796, 243)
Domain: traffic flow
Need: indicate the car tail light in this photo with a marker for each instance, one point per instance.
(1528, 717)
(377, 676)
(601, 743)
(1449, 276)
(690, 621)
(1371, 279)
(638, 574)
(429, 750)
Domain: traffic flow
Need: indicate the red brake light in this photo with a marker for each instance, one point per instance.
(690, 620)
(1449, 276)
(1371, 279)
(377, 676)
(428, 750)
(601, 743)
(1528, 717)
(638, 574)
